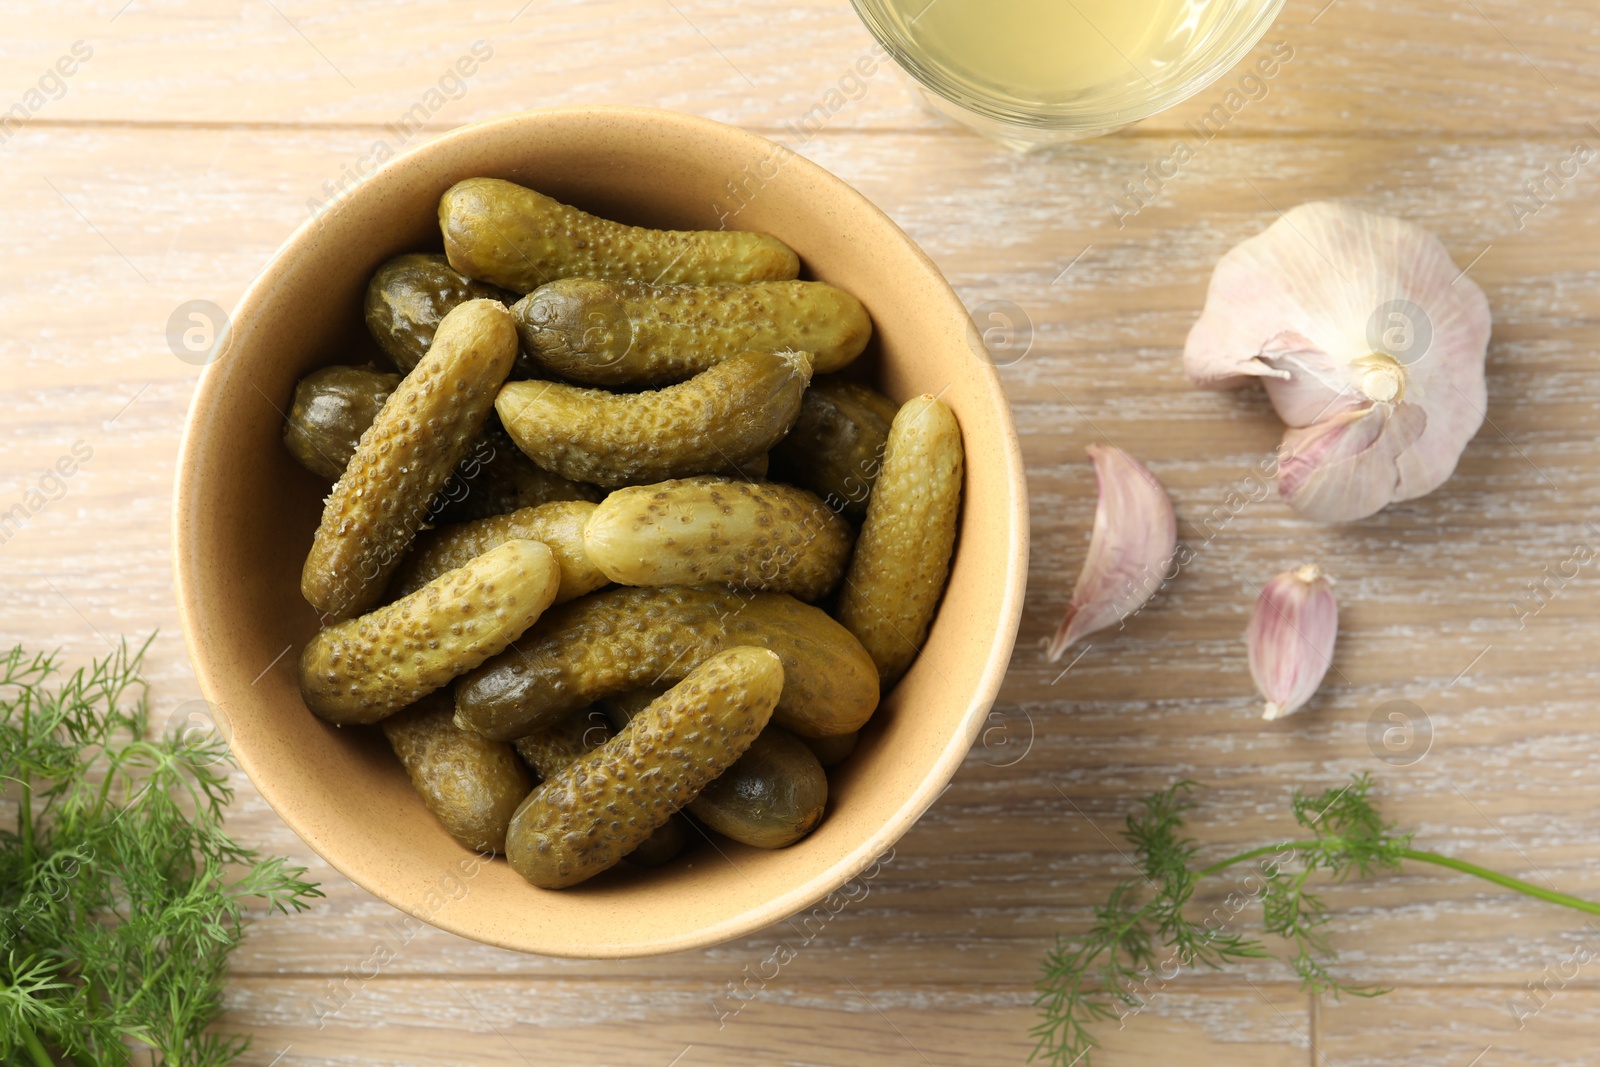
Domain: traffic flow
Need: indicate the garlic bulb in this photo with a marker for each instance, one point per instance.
(1135, 532)
(1370, 344)
(1291, 638)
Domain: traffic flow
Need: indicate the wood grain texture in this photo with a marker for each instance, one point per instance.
(186, 149)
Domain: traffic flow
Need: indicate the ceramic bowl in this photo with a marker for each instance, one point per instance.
(245, 513)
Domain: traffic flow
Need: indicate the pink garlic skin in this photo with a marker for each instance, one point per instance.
(1135, 535)
(1291, 638)
(1297, 307)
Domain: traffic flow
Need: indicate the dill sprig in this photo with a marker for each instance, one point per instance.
(1141, 938)
(121, 896)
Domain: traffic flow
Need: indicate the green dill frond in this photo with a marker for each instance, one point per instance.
(121, 894)
(1141, 937)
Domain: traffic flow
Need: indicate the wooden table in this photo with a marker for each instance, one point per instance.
(184, 149)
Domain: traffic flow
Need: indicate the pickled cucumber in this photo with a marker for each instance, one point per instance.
(471, 784)
(835, 447)
(409, 295)
(735, 410)
(608, 802)
(902, 557)
(405, 457)
(558, 525)
(620, 639)
(364, 669)
(551, 750)
(699, 531)
(771, 797)
(331, 409)
(631, 333)
(502, 233)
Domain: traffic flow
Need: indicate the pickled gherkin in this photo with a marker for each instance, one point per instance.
(630, 333)
(508, 235)
(606, 803)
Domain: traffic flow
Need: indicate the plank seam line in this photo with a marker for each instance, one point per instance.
(1431, 135)
(1286, 986)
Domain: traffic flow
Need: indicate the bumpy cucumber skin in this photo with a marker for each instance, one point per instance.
(405, 457)
(902, 557)
(553, 749)
(407, 298)
(331, 409)
(710, 530)
(620, 639)
(508, 235)
(835, 447)
(775, 794)
(735, 410)
(605, 804)
(364, 669)
(630, 333)
(558, 525)
(471, 784)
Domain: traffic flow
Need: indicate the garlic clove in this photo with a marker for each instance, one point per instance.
(1343, 468)
(1337, 310)
(1291, 638)
(1135, 535)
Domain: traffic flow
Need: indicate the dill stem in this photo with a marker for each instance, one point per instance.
(1222, 865)
(25, 801)
(1563, 899)
(36, 1050)
(149, 982)
(25, 821)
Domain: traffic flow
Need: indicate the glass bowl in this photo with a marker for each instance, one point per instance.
(1209, 38)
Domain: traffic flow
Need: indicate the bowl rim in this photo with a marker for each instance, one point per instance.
(1044, 119)
(188, 499)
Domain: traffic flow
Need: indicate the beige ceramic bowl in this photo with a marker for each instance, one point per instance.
(245, 513)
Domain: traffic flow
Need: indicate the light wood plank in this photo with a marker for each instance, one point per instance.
(828, 1023)
(1418, 66)
(1465, 1026)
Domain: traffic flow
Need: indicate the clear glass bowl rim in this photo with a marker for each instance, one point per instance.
(932, 80)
